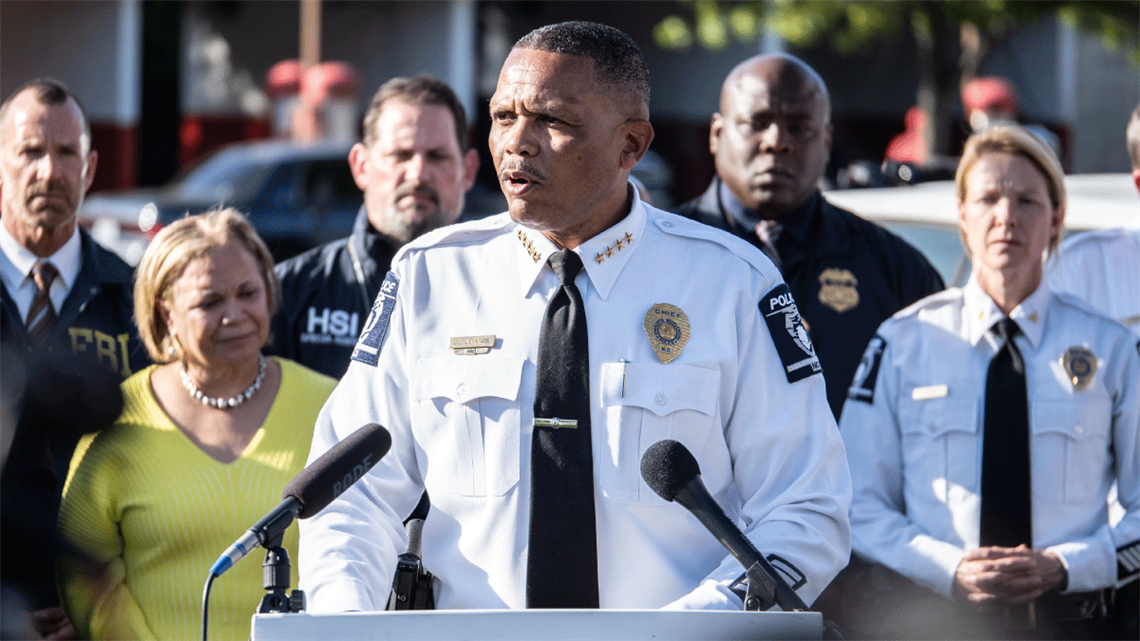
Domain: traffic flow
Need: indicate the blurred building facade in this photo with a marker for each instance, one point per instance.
(167, 82)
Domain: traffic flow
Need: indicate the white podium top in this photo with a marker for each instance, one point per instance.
(595, 625)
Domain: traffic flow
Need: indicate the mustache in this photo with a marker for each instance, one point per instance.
(54, 187)
(522, 165)
(423, 190)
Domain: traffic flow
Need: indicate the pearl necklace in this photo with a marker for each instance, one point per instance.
(224, 403)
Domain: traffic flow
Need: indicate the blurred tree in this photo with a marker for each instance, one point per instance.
(951, 36)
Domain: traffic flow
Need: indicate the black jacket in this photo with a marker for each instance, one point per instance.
(97, 317)
(846, 274)
(57, 392)
(327, 293)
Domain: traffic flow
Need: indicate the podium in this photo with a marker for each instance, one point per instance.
(549, 625)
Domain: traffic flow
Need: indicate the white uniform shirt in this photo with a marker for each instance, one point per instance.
(913, 429)
(1102, 267)
(461, 425)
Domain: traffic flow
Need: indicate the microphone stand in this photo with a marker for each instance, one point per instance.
(276, 580)
(761, 592)
(412, 586)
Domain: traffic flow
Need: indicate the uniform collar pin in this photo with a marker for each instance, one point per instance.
(535, 255)
(608, 252)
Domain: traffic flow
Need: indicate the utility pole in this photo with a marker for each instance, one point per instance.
(310, 34)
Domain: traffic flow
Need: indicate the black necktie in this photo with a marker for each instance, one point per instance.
(41, 314)
(1006, 495)
(562, 559)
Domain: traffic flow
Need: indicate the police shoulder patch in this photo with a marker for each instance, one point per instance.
(788, 333)
(375, 330)
(863, 383)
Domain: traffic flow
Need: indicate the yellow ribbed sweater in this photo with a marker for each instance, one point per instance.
(143, 499)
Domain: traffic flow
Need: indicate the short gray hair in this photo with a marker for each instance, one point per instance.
(49, 91)
(618, 62)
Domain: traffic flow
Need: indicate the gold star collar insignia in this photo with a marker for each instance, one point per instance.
(529, 246)
(608, 252)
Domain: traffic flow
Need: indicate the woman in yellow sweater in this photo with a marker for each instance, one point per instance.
(206, 441)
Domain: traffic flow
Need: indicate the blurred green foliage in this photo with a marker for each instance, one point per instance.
(854, 25)
(951, 37)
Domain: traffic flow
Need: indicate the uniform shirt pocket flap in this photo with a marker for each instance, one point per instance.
(1074, 420)
(936, 417)
(466, 378)
(659, 388)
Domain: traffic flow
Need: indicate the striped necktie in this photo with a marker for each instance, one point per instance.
(768, 231)
(41, 315)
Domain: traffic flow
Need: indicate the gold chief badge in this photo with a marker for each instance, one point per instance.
(1080, 365)
(668, 330)
(837, 289)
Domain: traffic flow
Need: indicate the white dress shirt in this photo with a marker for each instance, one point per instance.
(16, 265)
(461, 424)
(913, 429)
(1102, 267)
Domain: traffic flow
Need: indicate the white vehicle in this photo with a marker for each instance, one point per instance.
(926, 214)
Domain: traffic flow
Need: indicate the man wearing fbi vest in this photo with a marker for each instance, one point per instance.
(46, 167)
(65, 315)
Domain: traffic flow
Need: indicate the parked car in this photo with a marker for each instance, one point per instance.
(926, 214)
(297, 196)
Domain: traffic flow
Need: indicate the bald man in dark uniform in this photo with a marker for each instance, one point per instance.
(771, 140)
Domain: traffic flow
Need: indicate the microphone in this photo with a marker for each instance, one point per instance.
(672, 472)
(312, 490)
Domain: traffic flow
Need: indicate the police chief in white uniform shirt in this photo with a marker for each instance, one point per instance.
(737, 384)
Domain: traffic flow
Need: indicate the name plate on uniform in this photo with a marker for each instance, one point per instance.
(929, 392)
(466, 345)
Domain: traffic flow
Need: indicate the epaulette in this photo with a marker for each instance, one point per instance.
(1082, 306)
(465, 232)
(1082, 240)
(682, 227)
(946, 296)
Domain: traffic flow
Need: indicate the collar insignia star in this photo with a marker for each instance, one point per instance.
(608, 252)
(529, 246)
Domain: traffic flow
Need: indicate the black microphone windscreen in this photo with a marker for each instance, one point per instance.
(324, 480)
(667, 468)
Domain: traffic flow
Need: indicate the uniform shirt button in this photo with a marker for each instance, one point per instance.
(667, 224)
(660, 399)
(1078, 430)
(461, 389)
